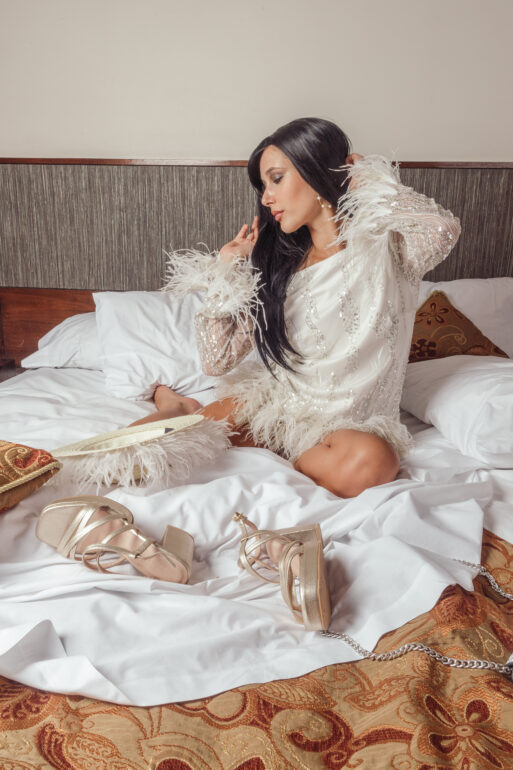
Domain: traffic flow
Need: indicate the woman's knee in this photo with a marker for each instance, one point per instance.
(375, 462)
(349, 462)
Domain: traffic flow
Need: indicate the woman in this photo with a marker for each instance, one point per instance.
(325, 285)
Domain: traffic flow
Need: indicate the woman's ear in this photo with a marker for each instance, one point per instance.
(351, 159)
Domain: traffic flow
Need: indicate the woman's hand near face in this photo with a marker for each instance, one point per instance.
(242, 244)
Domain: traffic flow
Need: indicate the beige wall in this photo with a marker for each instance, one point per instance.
(415, 79)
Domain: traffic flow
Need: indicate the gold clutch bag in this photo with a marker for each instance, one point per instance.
(22, 471)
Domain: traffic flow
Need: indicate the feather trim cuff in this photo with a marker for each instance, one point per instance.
(374, 182)
(230, 288)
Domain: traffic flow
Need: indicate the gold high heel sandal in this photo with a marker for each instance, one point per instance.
(100, 533)
(296, 554)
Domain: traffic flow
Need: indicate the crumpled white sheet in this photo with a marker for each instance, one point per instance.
(129, 639)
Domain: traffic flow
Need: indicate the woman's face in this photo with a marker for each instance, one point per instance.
(292, 201)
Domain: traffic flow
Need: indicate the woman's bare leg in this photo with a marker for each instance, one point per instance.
(346, 462)
(172, 404)
(349, 461)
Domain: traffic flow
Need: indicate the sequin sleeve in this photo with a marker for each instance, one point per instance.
(222, 343)
(378, 210)
(224, 328)
(422, 232)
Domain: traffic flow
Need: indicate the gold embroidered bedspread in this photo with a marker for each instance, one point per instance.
(408, 714)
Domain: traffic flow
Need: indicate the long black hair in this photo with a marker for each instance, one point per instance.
(317, 148)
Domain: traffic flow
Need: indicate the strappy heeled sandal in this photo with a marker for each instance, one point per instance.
(293, 558)
(100, 532)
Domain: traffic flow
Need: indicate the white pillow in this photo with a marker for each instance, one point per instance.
(147, 339)
(488, 302)
(469, 399)
(72, 343)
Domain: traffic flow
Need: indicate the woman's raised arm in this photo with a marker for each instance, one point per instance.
(422, 233)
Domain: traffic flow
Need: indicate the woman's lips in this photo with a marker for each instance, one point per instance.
(277, 215)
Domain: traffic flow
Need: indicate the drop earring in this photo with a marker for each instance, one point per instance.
(322, 204)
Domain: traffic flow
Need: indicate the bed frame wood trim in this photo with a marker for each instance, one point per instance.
(26, 314)
(122, 162)
(215, 163)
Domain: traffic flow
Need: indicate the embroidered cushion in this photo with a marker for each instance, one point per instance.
(440, 330)
(488, 302)
(22, 471)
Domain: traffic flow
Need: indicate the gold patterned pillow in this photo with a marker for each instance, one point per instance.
(22, 471)
(440, 331)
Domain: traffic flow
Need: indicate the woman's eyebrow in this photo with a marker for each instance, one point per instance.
(273, 168)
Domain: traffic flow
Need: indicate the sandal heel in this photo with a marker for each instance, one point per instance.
(316, 600)
(179, 544)
(298, 562)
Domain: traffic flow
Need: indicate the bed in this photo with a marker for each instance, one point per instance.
(119, 672)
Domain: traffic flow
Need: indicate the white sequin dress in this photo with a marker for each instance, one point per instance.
(350, 317)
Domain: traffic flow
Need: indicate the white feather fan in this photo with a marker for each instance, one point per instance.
(160, 453)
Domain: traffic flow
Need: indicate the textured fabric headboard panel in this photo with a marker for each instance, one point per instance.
(483, 200)
(107, 226)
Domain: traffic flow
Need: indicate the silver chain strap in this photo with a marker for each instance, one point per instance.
(500, 668)
(484, 572)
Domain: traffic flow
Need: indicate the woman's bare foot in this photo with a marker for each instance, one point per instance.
(169, 404)
(167, 400)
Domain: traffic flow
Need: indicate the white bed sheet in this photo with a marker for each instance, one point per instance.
(132, 640)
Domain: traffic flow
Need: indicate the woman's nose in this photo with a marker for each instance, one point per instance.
(266, 198)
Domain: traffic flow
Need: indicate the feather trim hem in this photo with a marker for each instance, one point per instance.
(263, 409)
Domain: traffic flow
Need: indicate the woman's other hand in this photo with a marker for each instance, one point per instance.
(242, 244)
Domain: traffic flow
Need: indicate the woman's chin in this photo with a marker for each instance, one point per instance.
(289, 226)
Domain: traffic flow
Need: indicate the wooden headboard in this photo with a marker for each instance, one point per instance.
(83, 225)
(26, 314)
